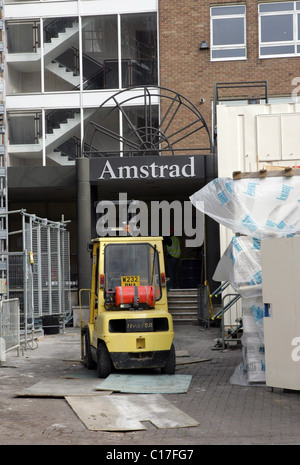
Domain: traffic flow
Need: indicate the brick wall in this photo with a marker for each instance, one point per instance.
(183, 24)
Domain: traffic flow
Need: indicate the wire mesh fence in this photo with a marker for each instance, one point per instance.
(9, 326)
(39, 275)
(48, 277)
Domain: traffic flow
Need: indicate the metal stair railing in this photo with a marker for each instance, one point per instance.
(205, 306)
(235, 298)
(232, 335)
(220, 289)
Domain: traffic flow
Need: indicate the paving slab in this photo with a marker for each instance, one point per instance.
(226, 412)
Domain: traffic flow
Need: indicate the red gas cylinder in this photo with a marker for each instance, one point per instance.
(135, 295)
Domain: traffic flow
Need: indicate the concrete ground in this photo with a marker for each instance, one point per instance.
(227, 413)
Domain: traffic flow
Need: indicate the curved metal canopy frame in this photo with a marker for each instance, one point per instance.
(179, 129)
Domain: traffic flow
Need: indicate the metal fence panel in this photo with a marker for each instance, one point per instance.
(16, 281)
(48, 275)
(39, 276)
(9, 326)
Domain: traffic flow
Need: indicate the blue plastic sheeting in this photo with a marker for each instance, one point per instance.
(146, 384)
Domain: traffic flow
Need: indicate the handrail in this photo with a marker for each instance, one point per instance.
(220, 289)
(229, 305)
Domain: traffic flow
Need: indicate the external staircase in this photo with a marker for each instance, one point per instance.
(183, 305)
(63, 73)
(53, 140)
(53, 50)
(59, 44)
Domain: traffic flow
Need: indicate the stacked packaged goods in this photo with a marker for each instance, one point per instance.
(255, 209)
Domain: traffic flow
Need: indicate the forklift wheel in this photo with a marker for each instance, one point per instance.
(104, 364)
(169, 368)
(90, 364)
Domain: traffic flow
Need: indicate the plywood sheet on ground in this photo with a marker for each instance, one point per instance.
(146, 384)
(60, 387)
(127, 412)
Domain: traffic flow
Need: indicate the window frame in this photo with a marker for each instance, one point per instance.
(295, 42)
(228, 47)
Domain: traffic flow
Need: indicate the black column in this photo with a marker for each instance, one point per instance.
(84, 226)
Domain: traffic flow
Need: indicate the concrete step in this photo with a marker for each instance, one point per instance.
(191, 291)
(185, 317)
(63, 73)
(176, 303)
(183, 305)
(183, 308)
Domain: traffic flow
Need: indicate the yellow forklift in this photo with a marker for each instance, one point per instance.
(129, 324)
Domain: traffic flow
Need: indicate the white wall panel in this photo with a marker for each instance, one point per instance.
(290, 126)
(72, 8)
(269, 137)
(280, 268)
(251, 136)
(33, 101)
(89, 8)
(40, 10)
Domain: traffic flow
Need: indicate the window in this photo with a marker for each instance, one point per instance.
(279, 29)
(110, 52)
(100, 52)
(228, 33)
(60, 59)
(132, 264)
(139, 49)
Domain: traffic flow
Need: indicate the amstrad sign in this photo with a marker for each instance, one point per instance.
(146, 168)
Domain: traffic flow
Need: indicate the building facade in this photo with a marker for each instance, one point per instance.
(91, 85)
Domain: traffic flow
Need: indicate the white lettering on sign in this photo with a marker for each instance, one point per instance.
(149, 171)
(296, 351)
(160, 215)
